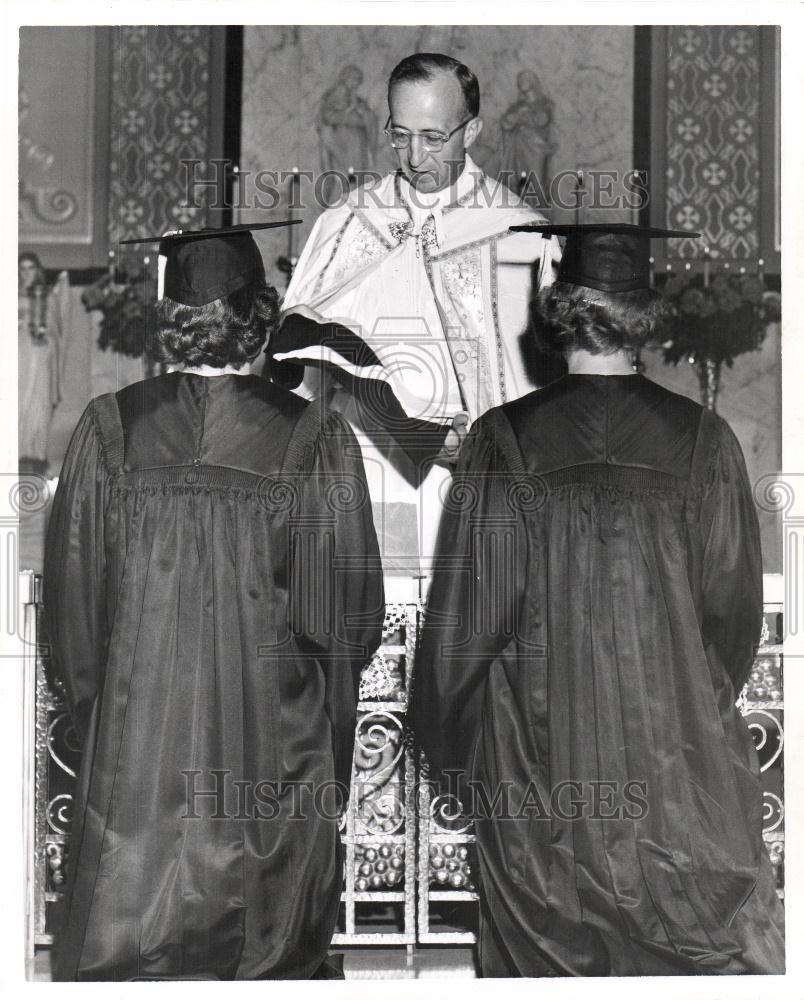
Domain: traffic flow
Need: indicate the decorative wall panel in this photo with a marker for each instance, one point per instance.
(160, 116)
(63, 144)
(713, 129)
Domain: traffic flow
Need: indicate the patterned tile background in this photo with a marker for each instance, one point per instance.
(712, 132)
(160, 84)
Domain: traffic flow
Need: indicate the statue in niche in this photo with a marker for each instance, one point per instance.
(527, 131)
(347, 130)
(42, 314)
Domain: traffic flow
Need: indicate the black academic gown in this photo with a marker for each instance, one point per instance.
(212, 589)
(590, 625)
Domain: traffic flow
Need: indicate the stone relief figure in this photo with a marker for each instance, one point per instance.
(347, 127)
(42, 314)
(527, 130)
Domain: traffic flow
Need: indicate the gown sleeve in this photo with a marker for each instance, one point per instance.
(477, 586)
(75, 573)
(337, 599)
(732, 561)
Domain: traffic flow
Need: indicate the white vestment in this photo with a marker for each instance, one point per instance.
(438, 288)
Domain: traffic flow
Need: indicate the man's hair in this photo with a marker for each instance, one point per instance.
(568, 317)
(227, 331)
(423, 66)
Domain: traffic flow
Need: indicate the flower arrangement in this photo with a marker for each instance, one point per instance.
(718, 321)
(713, 322)
(126, 302)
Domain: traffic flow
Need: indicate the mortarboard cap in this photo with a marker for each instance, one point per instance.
(611, 257)
(207, 264)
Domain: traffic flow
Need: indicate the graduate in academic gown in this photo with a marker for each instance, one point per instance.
(212, 589)
(592, 620)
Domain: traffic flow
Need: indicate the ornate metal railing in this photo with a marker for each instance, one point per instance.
(446, 845)
(52, 745)
(762, 705)
(409, 856)
(379, 829)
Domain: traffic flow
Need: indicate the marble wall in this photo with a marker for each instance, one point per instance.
(294, 78)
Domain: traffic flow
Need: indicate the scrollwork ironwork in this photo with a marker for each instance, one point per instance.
(379, 748)
(69, 740)
(59, 813)
(446, 815)
(763, 735)
(772, 812)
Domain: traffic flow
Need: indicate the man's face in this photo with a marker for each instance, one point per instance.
(436, 105)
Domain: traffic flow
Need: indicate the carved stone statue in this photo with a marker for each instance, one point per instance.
(347, 127)
(527, 131)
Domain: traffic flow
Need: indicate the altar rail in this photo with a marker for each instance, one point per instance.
(409, 865)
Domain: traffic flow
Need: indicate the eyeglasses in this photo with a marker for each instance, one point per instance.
(433, 141)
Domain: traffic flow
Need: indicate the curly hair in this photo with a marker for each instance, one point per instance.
(227, 331)
(568, 317)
